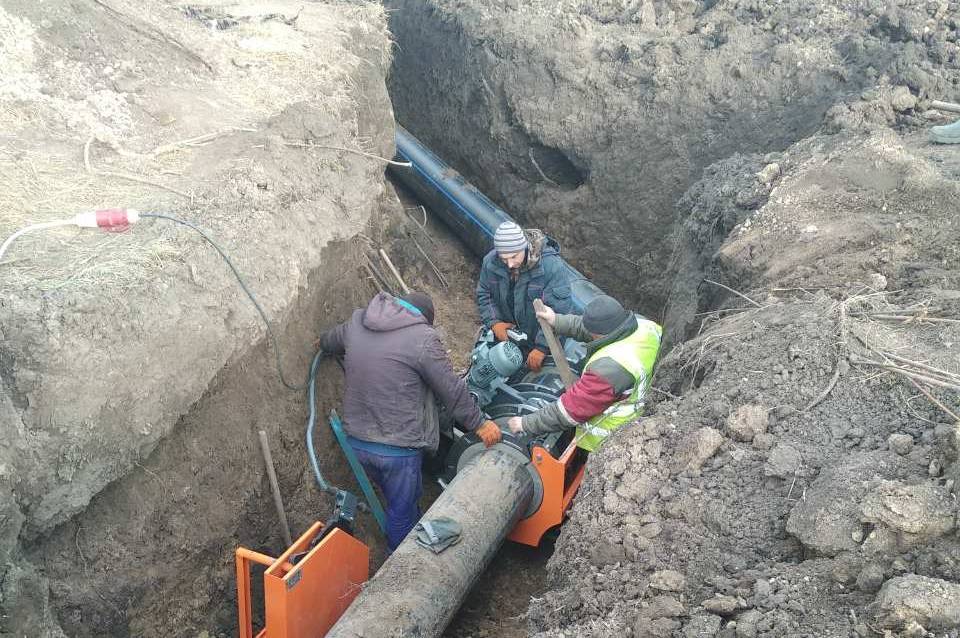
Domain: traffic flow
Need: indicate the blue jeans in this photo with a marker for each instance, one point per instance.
(402, 484)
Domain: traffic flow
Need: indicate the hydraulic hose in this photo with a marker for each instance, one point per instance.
(312, 421)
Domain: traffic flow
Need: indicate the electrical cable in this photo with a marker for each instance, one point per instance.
(256, 304)
(309, 385)
(32, 228)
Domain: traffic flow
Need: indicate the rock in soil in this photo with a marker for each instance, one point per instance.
(930, 602)
(747, 422)
(923, 512)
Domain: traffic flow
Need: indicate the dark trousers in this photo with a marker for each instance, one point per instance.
(401, 482)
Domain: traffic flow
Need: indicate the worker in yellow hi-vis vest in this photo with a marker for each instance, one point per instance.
(621, 350)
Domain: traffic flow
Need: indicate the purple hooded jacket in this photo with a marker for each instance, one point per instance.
(392, 356)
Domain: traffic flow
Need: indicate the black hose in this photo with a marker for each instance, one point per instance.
(246, 289)
(310, 382)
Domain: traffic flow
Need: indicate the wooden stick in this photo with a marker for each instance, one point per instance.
(386, 260)
(928, 395)
(936, 401)
(379, 275)
(841, 357)
(940, 383)
(132, 178)
(440, 276)
(559, 357)
(348, 150)
(945, 106)
(914, 318)
(376, 282)
(826, 391)
(200, 139)
(739, 294)
(275, 486)
(917, 364)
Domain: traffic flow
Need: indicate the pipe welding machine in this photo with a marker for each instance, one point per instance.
(503, 387)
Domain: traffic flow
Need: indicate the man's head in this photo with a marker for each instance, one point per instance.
(603, 315)
(422, 302)
(511, 245)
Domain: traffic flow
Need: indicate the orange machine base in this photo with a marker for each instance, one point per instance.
(303, 600)
(561, 479)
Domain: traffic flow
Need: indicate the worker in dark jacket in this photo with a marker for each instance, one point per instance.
(523, 266)
(621, 350)
(393, 355)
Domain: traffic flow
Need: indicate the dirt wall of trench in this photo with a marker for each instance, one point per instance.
(130, 363)
(591, 119)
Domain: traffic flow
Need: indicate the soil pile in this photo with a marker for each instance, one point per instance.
(788, 470)
(771, 159)
(134, 372)
(591, 118)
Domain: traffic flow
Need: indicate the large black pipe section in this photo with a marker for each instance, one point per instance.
(416, 592)
(467, 211)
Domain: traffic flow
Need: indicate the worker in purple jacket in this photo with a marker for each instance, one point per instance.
(393, 355)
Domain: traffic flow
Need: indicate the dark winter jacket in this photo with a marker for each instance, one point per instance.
(392, 356)
(506, 296)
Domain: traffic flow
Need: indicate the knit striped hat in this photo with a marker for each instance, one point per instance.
(509, 239)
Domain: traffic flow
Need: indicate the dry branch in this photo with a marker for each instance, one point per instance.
(737, 293)
(347, 150)
(132, 178)
(841, 357)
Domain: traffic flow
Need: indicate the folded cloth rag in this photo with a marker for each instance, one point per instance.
(438, 534)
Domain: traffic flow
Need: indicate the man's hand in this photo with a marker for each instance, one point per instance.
(535, 359)
(515, 423)
(547, 314)
(489, 433)
(500, 330)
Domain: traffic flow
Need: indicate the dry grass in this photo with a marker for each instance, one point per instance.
(42, 187)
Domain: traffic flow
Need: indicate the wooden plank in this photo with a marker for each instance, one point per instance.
(559, 356)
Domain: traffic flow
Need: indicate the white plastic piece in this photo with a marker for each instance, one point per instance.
(86, 220)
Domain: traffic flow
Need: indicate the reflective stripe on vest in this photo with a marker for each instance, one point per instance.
(637, 353)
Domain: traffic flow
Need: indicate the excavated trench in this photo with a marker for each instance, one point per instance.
(154, 550)
(152, 553)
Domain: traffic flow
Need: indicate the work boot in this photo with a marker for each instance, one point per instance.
(947, 134)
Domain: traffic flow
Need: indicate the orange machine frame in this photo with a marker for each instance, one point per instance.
(306, 599)
(557, 494)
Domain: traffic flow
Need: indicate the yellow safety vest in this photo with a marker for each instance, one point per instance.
(636, 353)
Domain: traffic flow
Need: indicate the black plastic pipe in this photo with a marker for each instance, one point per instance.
(416, 592)
(468, 212)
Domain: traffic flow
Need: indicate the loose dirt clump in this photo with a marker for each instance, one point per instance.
(783, 474)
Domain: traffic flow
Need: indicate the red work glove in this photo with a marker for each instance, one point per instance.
(535, 359)
(500, 330)
(489, 433)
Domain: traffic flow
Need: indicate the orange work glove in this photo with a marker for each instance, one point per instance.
(489, 433)
(500, 330)
(535, 359)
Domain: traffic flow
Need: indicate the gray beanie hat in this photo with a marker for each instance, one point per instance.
(509, 239)
(603, 315)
